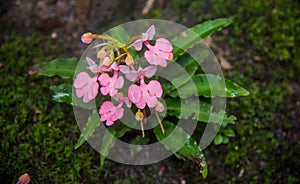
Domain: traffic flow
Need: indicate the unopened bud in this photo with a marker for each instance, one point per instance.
(129, 60)
(139, 116)
(159, 107)
(24, 179)
(87, 38)
(107, 61)
(101, 54)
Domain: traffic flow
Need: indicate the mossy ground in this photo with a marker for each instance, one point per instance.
(38, 135)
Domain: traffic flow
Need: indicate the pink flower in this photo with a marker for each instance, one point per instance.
(132, 75)
(138, 44)
(145, 93)
(110, 85)
(157, 54)
(86, 86)
(87, 38)
(119, 97)
(93, 67)
(110, 113)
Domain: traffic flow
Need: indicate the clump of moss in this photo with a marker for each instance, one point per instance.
(37, 135)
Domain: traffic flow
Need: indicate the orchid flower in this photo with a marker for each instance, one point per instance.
(110, 85)
(157, 54)
(132, 75)
(145, 93)
(110, 113)
(138, 44)
(86, 86)
(119, 97)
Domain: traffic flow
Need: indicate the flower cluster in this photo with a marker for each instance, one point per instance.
(115, 62)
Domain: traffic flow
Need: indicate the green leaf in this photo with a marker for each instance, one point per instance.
(108, 142)
(229, 132)
(63, 67)
(225, 140)
(119, 34)
(189, 108)
(62, 93)
(175, 136)
(109, 139)
(218, 139)
(209, 85)
(196, 35)
(92, 123)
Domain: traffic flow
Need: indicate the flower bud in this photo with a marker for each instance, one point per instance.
(24, 179)
(87, 38)
(101, 54)
(139, 116)
(159, 107)
(107, 61)
(129, 60)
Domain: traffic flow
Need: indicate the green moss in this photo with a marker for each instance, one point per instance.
(37, 135)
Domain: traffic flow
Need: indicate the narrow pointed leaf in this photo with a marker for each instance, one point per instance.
(175, 136)
(109, 139)
(188, 108)
(196, 35)
(63, 67)
(92, 123)
(209, 85)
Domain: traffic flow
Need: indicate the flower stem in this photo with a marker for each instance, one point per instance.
(142, 127)
(160, 123)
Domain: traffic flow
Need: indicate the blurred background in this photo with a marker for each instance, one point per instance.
(259, 51)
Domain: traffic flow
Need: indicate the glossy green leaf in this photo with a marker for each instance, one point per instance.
(62, 93)
(92, 123)
(209, 85)
(229, 132)
(63, 67)
(218, 139)
(189, 108)
(108, 142)
(225, 140)
(109, 139)
(175, 136)
(120, 34)
(196, 35)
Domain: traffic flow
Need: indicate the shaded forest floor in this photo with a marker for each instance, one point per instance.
(259, 52)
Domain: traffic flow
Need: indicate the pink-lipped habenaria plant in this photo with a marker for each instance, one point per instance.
(114, 62)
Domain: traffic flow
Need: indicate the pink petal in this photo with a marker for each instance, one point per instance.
(150, 71)
(150, 57)
(145, 36)
(134, 93)
(161, 61)
(81, 80)
(81, 91)
(119, 83)
(119, 112)
(138, 44)
(104, 79)
(155, 88)
(127, 102)
(131, 75)
(109, 123)
(163, 44)
(152, 102)
(141, 104)
(151, 32)
(89, 61)
(104, 90)
(114, 66)
(106, 107)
